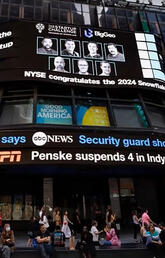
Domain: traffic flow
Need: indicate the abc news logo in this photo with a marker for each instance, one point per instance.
(40, 138)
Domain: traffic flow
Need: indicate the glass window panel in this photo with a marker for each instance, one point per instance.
(16, 112)
(14, 11)
(120, 12)
(130, 116)
(65, 16)
(38, 2)
(152, 97)
(142, 45)
(150, 37)
(28, 2)
(151, 16)
(5, 206)
(93, 15)
(122, 22)
(159, 75)
(145, 63)
(155, 64)
(4, 10)
(140, 36)
(76, 7)
(154, 28)
(143, 54)
(161, 17)
(151, 46)
(153, 55)
(77, 18)
(55, 15)
(85, 8)
(54, 3)
(17, 207)
(147, 73)
(92, 113)
(111, 21)
(87, 20)
(101, 20)
(54, 111)
(100, 10)
(15, 1)
(64, 5)
(156, 116)
(28, 12)
(38, 13)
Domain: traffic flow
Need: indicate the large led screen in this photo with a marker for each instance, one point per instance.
(63, 54)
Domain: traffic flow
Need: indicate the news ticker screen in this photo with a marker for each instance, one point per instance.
(57, 147)
(77, 56)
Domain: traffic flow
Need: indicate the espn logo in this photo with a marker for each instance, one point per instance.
(10, 156)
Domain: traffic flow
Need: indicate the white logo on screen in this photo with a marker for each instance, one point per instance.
(39, 138)
(40, 27)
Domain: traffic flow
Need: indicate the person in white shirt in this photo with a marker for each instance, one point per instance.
(95, 232)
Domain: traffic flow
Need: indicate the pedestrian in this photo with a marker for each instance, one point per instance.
(136, 225)
(145, 218)
(95, 232)
(0, 222)
(87, 246)
(7, 239)
(32, 230)
(65, 226)
(111, 237)
(43, 241)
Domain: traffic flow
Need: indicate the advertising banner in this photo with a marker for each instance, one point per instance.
(80, 56)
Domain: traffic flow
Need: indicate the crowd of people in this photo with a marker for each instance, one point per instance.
(151, 233)
(47, 237)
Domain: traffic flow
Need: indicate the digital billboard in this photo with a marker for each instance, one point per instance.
(57, 147)
(80, 56)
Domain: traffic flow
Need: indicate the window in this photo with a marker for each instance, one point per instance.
(129, 115)
(92, 113)
(16, 111)
(156, 116)
(54, 111)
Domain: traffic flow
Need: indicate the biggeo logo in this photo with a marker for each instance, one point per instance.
(39, 138)
(88, 33)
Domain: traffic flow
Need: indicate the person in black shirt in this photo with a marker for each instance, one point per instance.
(43, 240)
(87, 245)
(92, 48)
(58, 237)
(70, 48)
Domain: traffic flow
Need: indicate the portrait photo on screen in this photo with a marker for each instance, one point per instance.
(70, 47)
(59, 64)
(92, 50)
(47, 46)
(105, 68)
(82, 66)
(114, 52)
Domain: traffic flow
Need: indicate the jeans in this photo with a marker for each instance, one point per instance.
(46, 250)
(5, 251)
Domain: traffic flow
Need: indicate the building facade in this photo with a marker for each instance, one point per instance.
(73, 138)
